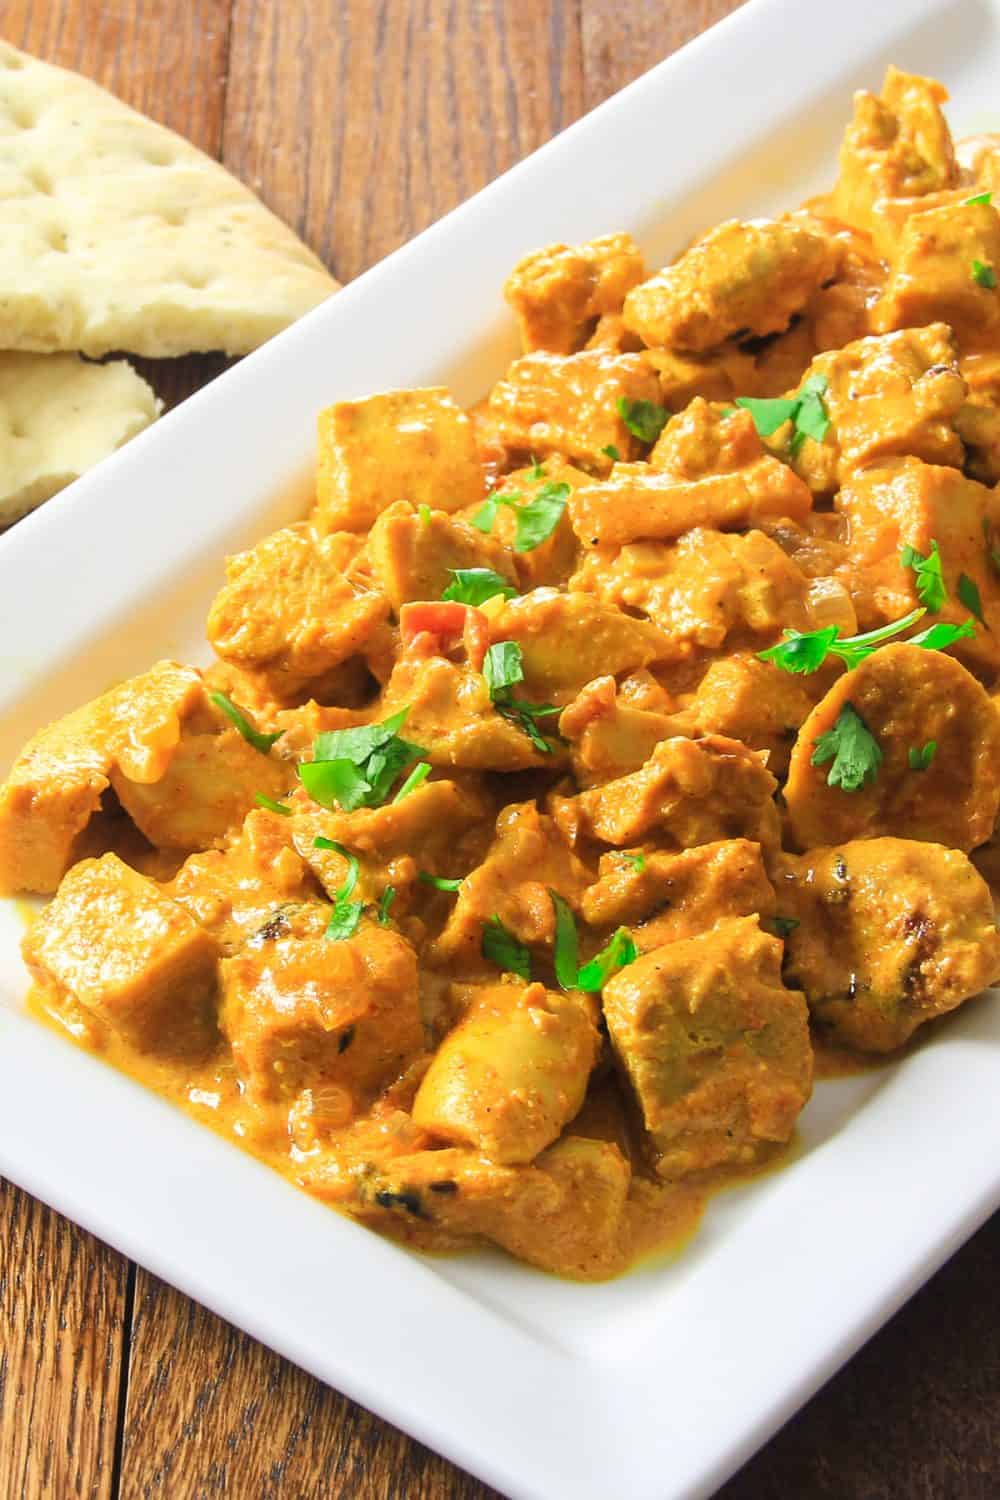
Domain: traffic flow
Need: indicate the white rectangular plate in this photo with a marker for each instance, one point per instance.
(658, 1385)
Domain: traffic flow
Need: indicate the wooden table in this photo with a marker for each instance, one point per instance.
(360, 122)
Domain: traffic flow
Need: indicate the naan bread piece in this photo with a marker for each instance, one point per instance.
(59, 416)
(120, 236)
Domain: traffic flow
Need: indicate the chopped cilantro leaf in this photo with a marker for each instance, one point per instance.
(439, 882)
(920, 760)
(386, 899)
(501, 947)
(261, 742)
(537, 469)
(537, 520)
(424, 512)
(358, 767)
(502, 668)
(852, 748)
(978, 198)
(984, 275)
(565, 955)
(637, 861)
(940, 636)
(931, 589)
(346, 914)
(610, 451)
(271, 805)
(619, 952)
(806, 411)
(968, 592)
(644, 419)
(784, 925)
(475, 585)
(807, 651)
(768, 413)
(416, 778)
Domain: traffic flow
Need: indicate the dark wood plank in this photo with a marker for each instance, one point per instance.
(360, 123)
(63, 1307)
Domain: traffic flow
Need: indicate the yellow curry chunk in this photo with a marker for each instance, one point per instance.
(130, 957)
(889, 396)
(714, 1047)
(750, 700)
(708, 439)
(559, 292)
(897, 146)
(512, 1073)
(568, 404)
(888, 934)
(740, 278)
(609, 734)
(688, 792)
(401, 445)
(412, 556)
(934, 277)
(289, 614)
(906, 699)
(551, 561)
(663, 897)
(300, 1009)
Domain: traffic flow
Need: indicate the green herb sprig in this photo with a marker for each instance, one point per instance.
(853, 749)
(503, 669)
(254, 737)
(806, 411)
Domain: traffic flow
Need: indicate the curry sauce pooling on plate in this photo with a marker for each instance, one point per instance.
(582, 757)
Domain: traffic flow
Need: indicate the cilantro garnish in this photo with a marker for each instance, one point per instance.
(920, 760)
(416, 778)
(978, 198)
(619, 952)
(271, 805)
(357, 767)
(502, 669)
(424, 512)
(984, 275)
(784, 925)
(439, 882)
(931, 589)
(644, 419)
(261, 742)
(346, 914)
(386, 899)
(852, 748)
(805, 410)
(610, 451)
(806, 651)
(475, 585)
(536, 521)
(637, 861)
(537, 470)
(940, 636)
(968, 592)
(565, 956)
(501, 947)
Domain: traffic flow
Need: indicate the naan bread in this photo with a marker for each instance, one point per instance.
(119, 235)
(60, 416)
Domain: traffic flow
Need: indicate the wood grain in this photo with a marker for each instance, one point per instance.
(360, 123)
(63, 1310)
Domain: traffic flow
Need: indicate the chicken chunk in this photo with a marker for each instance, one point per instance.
(898, 145)
(752, 701)
(740, 278)
(568, 639)
(559, 292)
(526, 861)
(552, 561)
(914, 504)
(704, 591)
(716, 1050)
(113, 943)
(934, 277)
(608, 734)
(402, 445)
(453, 719)
(664, 897)
(889, 396)
(565, 1213)
(413, 557)
(512, 1073)
(301, 1010)
(568, 404)
(235, 891)
(887, 934)
(901, 699)
(689, 792)
(289, 616)
(707, 439)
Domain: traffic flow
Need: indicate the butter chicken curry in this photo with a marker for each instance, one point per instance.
(584, 759)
